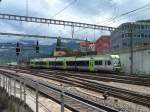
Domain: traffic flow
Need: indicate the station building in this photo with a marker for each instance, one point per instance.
(121, 37)
(121, 44)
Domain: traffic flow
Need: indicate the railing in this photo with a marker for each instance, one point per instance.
(18, 86)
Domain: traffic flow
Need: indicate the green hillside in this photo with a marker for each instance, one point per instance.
(145, 21)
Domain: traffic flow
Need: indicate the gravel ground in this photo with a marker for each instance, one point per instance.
(136, 88)
(116, 103)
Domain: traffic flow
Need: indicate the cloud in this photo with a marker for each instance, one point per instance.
(91, 11)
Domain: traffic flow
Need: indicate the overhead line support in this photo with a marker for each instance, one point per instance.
(53, 21)
(37, 36)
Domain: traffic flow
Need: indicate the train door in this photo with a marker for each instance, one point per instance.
(91, 65)
(108, 65)
(64, 64)
(47, 64)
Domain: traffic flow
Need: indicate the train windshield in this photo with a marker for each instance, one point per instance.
(116, 62)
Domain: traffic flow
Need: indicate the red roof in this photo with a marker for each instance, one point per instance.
(82, 44)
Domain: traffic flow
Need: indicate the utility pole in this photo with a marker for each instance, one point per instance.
(87, 45)
(37, 96)
(17, 52)
(26, 7)
(131, 48)
(72, 32)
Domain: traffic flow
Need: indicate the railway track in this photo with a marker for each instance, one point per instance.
(113, 91)
(127, 79)
(73, 102)
(136, 97)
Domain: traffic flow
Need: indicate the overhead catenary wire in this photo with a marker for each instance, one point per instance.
(127, 13)
(71, 3)
(118, 19)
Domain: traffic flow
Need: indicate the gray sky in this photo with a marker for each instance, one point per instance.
(89, 11)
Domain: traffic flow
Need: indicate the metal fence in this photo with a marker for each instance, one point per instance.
(18, 86)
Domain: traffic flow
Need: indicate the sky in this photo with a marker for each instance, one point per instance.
(87, 11)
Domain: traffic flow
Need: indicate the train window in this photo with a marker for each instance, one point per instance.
(78, 63)
(82, 63)
(51, 63)
(70, 63)
(109, 62)
(86, 63)
(58, 63)
(40, 63)
(98, 62)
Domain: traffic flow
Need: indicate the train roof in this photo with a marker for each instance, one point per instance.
(105, 56)
(83, 58)
(95, 57)
(102, 58)
(44, 59)
(115, 56)
(70, 58)
(60, 59)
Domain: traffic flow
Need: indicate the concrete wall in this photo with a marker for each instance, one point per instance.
(11, 103)
(141, 62)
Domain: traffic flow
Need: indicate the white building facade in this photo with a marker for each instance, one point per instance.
(141, 62)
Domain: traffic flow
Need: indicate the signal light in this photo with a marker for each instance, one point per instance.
(17, 49)
(37, 47)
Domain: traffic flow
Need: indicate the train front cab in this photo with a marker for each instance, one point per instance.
(116, 63)
(103, 64)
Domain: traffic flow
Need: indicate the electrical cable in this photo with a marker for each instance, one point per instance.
(118, 19)
(126, 13)
(71, 3)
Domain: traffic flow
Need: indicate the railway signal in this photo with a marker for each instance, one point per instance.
(17, 49)
(37, 47)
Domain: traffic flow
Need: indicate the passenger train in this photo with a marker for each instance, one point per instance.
(96, 63)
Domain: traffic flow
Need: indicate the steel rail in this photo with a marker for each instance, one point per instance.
(47, 89)
(124, 94)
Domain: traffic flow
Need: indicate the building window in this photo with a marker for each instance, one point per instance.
(123, 35)
(124, 44)
(138, 35)
(146, 27)
(142, 26)
(126, 35)
(134, 35)
(142, 35)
